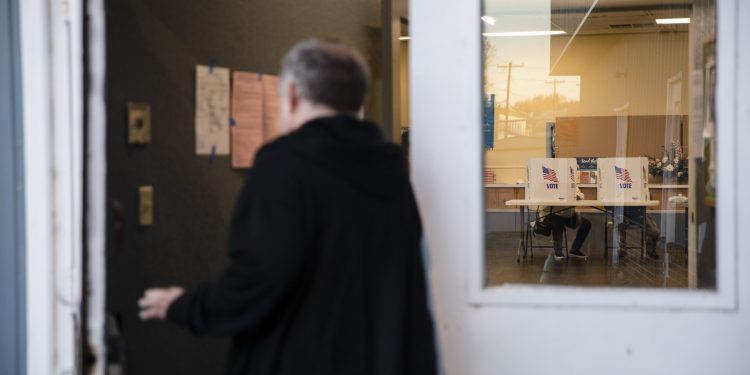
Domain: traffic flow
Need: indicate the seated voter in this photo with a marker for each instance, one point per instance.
(635, 217)
(571, 219)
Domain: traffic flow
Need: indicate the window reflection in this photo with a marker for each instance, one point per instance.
(588, 82)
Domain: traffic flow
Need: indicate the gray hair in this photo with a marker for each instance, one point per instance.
(327, 72)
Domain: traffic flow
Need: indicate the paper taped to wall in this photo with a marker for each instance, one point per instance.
(270, 107)
(211, 110)
(247, 113)
(245, 144)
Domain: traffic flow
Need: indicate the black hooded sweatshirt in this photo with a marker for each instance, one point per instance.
(326, 273)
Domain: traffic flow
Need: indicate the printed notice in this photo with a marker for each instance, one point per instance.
(270, 107)
(245, 144)
(586, 173)
(211, 110)
(247, 113)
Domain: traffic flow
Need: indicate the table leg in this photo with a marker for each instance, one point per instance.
(687, 240)
(523, 234)
(527, 245)
(606, 235)
(529, 241)
(643, 231)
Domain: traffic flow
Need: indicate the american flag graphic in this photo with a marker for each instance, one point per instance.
(622, 174)
(549, 174)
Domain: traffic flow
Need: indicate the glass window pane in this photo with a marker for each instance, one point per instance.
(598, 142)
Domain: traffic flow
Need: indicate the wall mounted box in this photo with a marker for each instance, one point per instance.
(139, 123)
(551, 179)
(146, 206)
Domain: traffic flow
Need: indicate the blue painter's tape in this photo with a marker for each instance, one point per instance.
(213, 153)
(232, 122)
(211, 63)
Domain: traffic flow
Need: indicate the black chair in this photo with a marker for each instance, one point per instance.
(531, 246)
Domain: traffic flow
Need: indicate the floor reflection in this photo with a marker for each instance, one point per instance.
(629, 271)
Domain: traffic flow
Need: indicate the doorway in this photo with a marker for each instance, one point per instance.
(153, 51)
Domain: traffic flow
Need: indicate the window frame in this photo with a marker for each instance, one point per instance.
(724, 297)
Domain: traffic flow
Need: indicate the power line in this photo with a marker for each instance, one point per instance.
(554, 83)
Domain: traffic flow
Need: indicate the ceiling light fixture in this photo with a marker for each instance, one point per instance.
(488, 20)
(404, 38)
(526, 33)
(672, 21)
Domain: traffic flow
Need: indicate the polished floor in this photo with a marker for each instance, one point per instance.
(627, 270)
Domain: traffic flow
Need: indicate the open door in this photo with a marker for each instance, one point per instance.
(168, 208)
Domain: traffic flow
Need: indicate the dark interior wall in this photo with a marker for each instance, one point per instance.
(152, 49)
(597, 136)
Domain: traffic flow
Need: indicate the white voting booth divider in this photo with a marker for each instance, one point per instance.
(623, 179)
(549, 179)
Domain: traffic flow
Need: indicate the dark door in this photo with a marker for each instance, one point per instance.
(152, 50)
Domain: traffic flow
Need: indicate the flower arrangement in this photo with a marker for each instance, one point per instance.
(673, 163)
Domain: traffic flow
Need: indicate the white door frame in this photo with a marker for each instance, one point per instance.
(52, 85)
(96, 190)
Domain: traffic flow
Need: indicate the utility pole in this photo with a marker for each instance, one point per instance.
(554, 83)
(509, 66)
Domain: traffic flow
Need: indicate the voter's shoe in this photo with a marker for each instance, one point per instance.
(578, 254)
(559, 254)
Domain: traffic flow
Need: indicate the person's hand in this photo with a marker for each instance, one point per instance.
(156, 301)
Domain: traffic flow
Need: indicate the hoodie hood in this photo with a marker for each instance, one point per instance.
(355, 152)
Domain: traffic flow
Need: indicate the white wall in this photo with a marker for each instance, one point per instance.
(510, 338)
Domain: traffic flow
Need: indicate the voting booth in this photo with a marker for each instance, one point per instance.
(623, 179)
(550, 179)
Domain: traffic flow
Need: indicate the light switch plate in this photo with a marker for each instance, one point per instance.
(146, 209)
(139, 123)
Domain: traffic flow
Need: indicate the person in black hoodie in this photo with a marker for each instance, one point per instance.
(326, 273)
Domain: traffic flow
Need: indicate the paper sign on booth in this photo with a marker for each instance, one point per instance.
(551, 179)
(623, 179)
